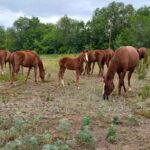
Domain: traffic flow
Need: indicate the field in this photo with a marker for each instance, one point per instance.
(51, 117)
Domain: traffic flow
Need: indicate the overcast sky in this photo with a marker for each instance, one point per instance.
(53, 10)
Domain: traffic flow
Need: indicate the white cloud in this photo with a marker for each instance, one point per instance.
(7, 17)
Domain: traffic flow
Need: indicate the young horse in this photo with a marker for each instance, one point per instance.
(125, 59)
(4, 55)
(28, 59)
(143, 54)
(72, 64)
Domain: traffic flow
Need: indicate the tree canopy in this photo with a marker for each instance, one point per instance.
(126, 26)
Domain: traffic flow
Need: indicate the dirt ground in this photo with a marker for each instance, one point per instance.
(52, 102)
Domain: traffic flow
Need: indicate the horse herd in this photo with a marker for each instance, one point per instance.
(124, 59)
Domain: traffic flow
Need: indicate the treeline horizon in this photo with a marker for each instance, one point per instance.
(110, 27)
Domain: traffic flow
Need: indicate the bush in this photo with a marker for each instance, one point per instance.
(86, 121)
(145, 92)
(141, 71)
(111, 134)
(85, 138)
(117, 120)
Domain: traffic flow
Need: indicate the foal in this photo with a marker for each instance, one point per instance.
(72, 64)
(28, 59)
(125, 59)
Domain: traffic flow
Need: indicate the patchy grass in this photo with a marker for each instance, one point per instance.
(48, 116)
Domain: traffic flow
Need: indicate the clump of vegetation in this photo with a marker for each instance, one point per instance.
(64, 126)
(117, 120)
(133, 121)
(145, 92)
(111, 135)
(141, 71)
(58, 145)
(86, 121)
(85, 138)
(47, 137)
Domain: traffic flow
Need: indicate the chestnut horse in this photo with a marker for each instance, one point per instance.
(125, 59)
(102, 57)
(143, 54)
(72, 64)
(4, 56)
(28, 59)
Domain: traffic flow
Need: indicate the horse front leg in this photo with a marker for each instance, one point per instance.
(77, 78)
(28, 74)
(1, 64)
(61, 76)
(93, 67)
(35, 73)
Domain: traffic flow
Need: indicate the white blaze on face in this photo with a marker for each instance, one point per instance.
(86, 57)
(103, 89)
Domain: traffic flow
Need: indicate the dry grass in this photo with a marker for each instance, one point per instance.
(42, 105)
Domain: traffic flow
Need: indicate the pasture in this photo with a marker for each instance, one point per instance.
(48, 116)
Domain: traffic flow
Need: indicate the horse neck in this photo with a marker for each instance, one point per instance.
(80, 59)
(41, 67)
(112, 69)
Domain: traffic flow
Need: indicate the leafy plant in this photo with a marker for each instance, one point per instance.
(111, 133)
(85, 138)
(117, 120)
(86, 121)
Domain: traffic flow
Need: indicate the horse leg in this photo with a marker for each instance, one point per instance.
(93, 67)
(61, 74)
(28, 74)
(2, 67)
(35, 73)
(100, 67)
(129, 77)
(77, 78)
(121, 81)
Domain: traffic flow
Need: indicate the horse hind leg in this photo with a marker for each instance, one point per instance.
(77, 79)
(129, 77)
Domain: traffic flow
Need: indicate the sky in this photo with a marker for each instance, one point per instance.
(50, 11)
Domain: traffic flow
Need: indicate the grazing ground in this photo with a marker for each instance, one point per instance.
(48, 116)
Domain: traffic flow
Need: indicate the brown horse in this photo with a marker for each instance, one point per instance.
(143, 54)
(72, 64)
(125, 59)
(28, 59)
(4, 56)
(102, 57)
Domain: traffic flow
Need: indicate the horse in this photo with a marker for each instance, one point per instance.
(72, 64)
(126, 58)
(143, 54)
(102, 57)
(4, 56)
(28, 59)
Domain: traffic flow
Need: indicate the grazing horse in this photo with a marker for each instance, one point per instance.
(143, 54)
(28, 59)
(125, 59)
(102, 57)
(72, 64)
(4, 56)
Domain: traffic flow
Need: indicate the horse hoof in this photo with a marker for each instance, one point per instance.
(130, 89)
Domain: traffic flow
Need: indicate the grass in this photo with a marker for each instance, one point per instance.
(45, 115)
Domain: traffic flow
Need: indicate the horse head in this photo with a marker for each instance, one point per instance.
(107, 87)
(85, 55)
(42, 75)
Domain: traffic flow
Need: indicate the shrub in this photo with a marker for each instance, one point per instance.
(84, 137)
(141, 71)
(145, 92)
(86, 121)
(64, 126)
(117, 120)
(111, 134)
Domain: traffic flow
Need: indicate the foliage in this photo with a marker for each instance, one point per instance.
(141, 70)
(126, 25)
(145, 92)
(86, 121)
(111, 133)
(85, 138)
(117, 120)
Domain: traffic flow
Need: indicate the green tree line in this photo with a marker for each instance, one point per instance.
(110, 27)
